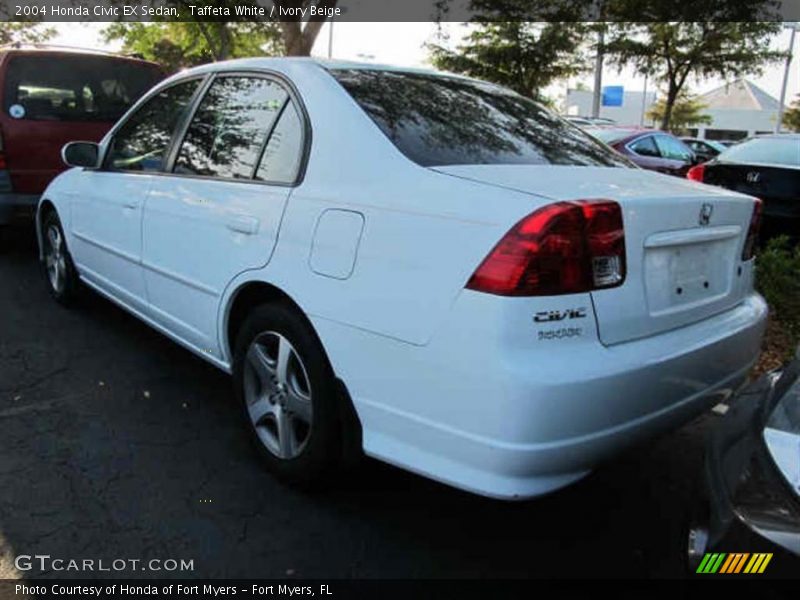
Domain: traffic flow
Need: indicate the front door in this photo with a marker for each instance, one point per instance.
(107, 208)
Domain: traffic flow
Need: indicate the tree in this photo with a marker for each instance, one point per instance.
(686, 111)
(727, 44)
(791, 118)
(185, 42)
(24, 32)
(181, 44)
(505, 45)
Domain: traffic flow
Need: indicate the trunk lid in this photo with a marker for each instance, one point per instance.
(777, 186)
(683, 242)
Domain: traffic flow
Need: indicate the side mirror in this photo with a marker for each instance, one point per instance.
(81, 154)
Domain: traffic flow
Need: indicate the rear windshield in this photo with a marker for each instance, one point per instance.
(74, 88)
(436, 121)
(768, 151)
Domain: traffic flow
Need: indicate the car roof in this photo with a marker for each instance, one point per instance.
(49, 49)
(284, 64)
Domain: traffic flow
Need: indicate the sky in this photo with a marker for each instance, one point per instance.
(403, 44)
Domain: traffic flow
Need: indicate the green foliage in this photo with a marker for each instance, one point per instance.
(671, 51)
(686, 111)
(179, 44)
(24, 32)
(778, 280)
(791, 118)
(506, 47)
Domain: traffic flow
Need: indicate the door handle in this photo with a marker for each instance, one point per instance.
(243, 224)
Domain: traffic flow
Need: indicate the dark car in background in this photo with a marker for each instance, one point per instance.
(648, 148)
(50, 96)
(704, 149)
(767, 167)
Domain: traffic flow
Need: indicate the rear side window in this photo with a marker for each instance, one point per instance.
(673, 148)
(766, 151)
(74, 88)
(230, 127)
(437, 120)
(142, 142)
(645, 146)
(283, 152)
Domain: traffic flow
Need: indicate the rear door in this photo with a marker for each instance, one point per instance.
(219, 211)
(50, 99)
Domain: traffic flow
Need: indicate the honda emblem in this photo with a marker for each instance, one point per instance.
(705, 214)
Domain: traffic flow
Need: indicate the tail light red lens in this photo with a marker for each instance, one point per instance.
(562, 248)
(749, 250)
(696, 173)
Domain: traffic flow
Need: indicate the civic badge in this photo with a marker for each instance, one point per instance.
(705, 214)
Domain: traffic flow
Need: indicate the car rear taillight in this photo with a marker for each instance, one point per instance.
(562, 248)
(696, 173)
(749, 250)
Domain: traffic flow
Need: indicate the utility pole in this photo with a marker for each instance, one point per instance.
(330, 38)
(793, 27)
(644, 101)
(598, 71)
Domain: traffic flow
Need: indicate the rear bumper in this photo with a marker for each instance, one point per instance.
(12, 205)
(513, 421)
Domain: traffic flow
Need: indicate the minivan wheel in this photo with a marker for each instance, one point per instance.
(287, 393)
(60, 274)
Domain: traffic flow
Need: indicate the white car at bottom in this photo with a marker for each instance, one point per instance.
(425, 267)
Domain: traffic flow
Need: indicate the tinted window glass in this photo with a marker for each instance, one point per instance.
(230, 127)
(142, 142)
(437, 120)
(74, 88)
(282, 155)
(645, 146)
(673, 148)
(768, 150)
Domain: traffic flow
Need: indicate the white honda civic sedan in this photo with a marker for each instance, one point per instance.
(428, 268)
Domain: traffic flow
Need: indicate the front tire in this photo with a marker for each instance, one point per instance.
(59, 270)
(288, 395)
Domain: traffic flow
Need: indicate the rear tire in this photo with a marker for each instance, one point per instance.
(59, 271)
(288, 396)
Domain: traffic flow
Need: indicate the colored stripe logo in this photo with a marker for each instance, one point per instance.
(735, 562)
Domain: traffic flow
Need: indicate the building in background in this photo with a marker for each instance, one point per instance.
(738, 109)
(579, 103)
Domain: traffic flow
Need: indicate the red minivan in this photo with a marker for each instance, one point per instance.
(50, 96)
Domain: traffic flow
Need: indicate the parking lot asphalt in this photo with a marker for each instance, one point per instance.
(117, 443)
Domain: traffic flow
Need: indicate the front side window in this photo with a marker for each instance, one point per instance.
(229, 129)
(673, 149)
(74, 88)
(439, 120)
(141, 144)
(645, 146)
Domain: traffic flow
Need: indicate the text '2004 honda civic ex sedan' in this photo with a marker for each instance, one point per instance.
(428, 267)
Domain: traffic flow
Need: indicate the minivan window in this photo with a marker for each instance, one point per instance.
(441, 120)
(74, 88)
(283, 152)
(142, 142)
(230, 127)
(767, 150)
